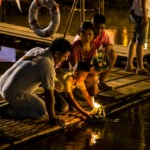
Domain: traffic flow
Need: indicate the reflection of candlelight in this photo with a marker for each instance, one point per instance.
(145, 46)
(94, 139)
(95, 136)
(124, 36)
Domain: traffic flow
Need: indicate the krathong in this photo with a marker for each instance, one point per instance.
(98, 112)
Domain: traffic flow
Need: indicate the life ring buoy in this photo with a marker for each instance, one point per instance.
(33, 17)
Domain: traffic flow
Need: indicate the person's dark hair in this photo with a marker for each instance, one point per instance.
(98, 19)
(85, 25)
(60, 44)
(82, 66)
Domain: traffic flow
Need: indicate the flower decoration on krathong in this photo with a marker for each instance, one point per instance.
(101, 62)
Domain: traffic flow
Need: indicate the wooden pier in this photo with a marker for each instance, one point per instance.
(130, 89)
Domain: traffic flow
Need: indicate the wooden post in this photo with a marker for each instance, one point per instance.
(70, 17)
(82, 13)
(101, 7)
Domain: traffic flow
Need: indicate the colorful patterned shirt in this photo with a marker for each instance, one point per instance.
(102, 40)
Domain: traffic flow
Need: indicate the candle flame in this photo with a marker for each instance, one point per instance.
(96, 105)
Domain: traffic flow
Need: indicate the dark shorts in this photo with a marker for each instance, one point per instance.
(140, 33)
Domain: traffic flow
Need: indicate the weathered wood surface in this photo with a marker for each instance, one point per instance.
(19, 131)
(26, 33)
(123, 51)
(128, 90)
(126, 84)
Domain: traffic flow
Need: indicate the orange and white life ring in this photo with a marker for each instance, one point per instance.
(33, 17)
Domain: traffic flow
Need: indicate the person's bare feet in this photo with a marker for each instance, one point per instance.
(142, 72)
(130, 69)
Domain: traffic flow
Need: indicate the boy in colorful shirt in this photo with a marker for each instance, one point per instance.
(102, 42)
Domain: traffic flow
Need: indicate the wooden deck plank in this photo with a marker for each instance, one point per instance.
(23, 130)
(27, 33)
(115, 69)
(121, 73)
(127, 80)
(123, 51)
(125, 91)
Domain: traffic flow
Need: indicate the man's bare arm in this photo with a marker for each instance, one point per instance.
(50, 102)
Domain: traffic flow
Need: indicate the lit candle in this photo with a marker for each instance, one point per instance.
(98, 110)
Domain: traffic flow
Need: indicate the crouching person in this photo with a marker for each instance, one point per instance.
(37, 67)
(70, 81)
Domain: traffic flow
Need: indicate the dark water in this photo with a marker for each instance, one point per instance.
(131, 132)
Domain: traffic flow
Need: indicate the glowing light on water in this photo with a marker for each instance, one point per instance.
(146, 46)
(93, 139)
(124, 36)
(97, 136)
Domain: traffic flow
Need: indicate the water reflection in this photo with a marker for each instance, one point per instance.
(130, 133)
(125, 36)
(7, 54)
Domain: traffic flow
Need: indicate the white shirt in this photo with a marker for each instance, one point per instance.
(27, 74)
(138, 9)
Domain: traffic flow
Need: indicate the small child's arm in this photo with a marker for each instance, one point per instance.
(70, 97)
(74, 102)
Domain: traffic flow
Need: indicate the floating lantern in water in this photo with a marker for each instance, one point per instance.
(98, 112)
